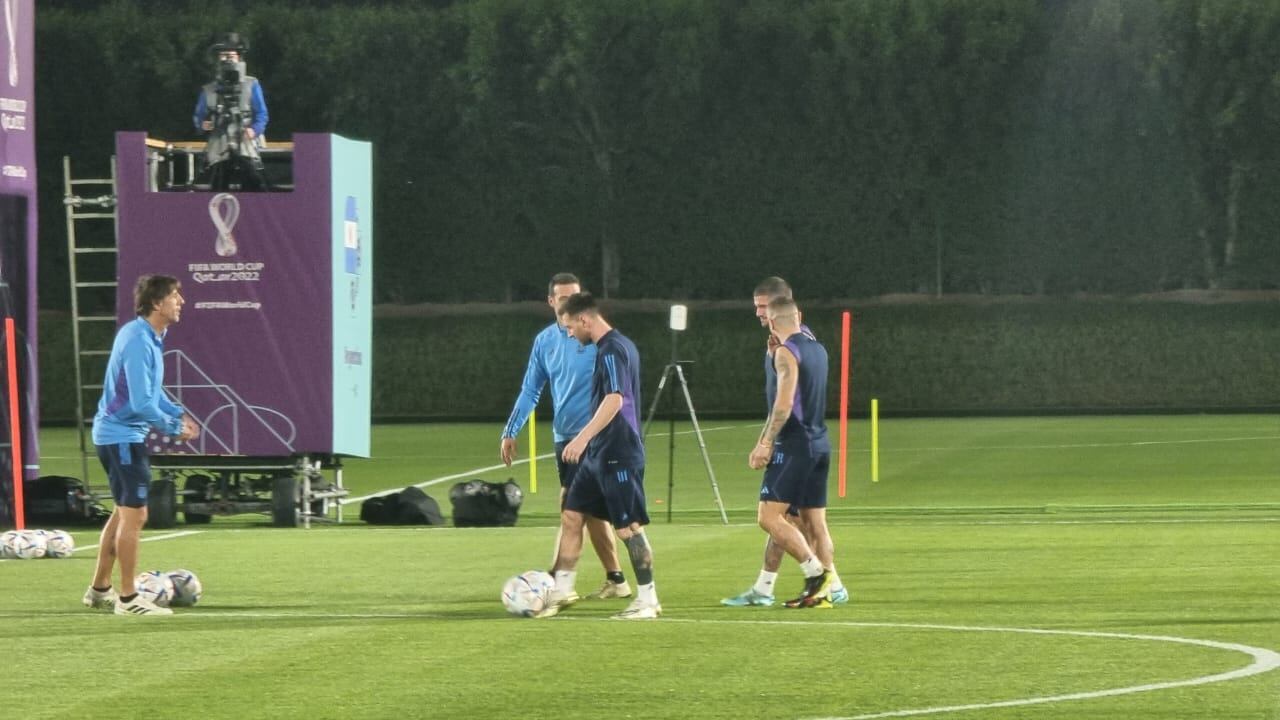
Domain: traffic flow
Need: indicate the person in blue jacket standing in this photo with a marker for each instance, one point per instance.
(133, 402)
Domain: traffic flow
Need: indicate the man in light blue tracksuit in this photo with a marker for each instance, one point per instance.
(568, 365)
(133, 402)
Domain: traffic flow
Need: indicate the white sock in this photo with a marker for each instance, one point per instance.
(764, 583)
(647, 594)
(811, 567)
(566, 580)
(835, 579)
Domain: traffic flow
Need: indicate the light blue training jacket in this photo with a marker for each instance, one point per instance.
(133, 398)
(567, 364)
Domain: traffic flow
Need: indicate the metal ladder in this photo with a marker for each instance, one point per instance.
(102, 207)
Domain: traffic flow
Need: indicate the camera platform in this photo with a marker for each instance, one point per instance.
(181, 167)
(292, 491)
(273, 357)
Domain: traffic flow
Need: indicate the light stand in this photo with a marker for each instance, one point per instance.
(678, 322)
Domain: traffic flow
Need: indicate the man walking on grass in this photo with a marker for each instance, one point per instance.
(793, 449)
(810, 515)
(609, 483)
(559, 359)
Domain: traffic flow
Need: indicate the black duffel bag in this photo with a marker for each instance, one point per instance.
(477, 503)
(58, 500)
(410, 506)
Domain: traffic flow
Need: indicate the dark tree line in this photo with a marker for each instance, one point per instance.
(683, 148)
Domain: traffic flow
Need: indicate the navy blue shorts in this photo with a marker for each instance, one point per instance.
(796, 478)
(610, 491)
(566, 470)
(128, 467)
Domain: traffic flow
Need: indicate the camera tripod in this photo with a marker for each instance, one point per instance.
(674, 369)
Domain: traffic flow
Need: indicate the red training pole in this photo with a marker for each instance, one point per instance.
(15, 437)
(844, 399)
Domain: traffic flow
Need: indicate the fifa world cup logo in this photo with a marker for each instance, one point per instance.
(224, 210)
(11, 25)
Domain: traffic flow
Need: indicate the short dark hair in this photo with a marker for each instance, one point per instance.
(783, 306)
(151, 290)
(562, 279)
(773, 287)
(579, 303)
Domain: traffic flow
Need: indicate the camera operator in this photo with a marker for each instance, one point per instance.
(232, 112)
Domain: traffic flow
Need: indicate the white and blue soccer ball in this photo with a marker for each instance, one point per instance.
(187, 589)
(526, 594)
(9, 544)
(58, 544)
(155, 586)
(29, 545)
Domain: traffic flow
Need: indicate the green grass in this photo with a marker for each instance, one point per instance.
(1155, 526)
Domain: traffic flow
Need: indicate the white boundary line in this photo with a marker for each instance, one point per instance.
(1151, 521)
(1264, 660)
(446, 478)
(84, 548)
(1072, 446)
(926, 519)
(167, 536)
(490, 468)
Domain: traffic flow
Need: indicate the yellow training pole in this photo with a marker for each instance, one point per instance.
(875, 440)
(533, 451)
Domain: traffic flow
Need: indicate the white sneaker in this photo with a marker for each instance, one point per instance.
(640, 610)
(611, 589)
(140, 606)
(556, 602)
(99, 600)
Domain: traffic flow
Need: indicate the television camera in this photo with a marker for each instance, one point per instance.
(227, 114)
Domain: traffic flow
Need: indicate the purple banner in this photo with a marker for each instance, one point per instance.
(250, 358)
(18, 215)
(17, 98)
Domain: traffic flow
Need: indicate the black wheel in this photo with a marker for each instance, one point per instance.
(162, 506)
(284, 501)
(198, 485)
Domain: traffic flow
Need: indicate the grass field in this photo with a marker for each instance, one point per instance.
(1144, 553)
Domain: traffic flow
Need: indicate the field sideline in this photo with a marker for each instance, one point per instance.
(1123, 567)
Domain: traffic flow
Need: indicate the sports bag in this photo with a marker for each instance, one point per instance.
(59, 500)
(410, 506)
(477, 503)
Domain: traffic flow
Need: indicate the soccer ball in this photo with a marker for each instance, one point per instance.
(155, 586)
(58, 544)
(186, 588)
(9, 544)
(526, 594)
(29, 545)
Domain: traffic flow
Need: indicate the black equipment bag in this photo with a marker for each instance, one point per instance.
(418, 508)
(410, 506)
(379, 510)
(58, 500)
(477, 503)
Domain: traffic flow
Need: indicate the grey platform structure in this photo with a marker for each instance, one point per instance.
(272, 356)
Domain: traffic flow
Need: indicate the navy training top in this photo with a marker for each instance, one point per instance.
(806, 426)
(617, 371)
